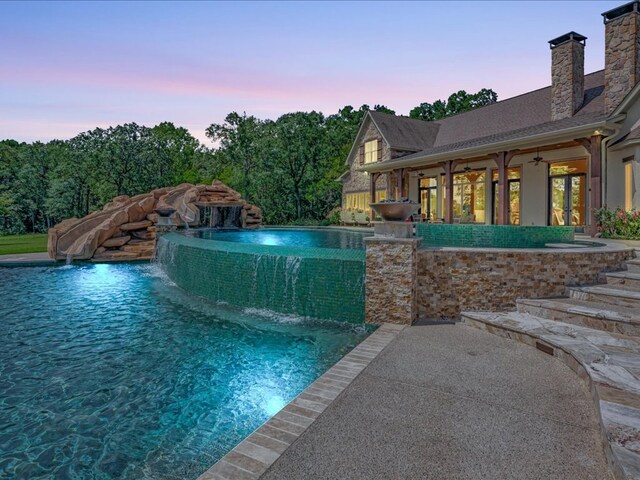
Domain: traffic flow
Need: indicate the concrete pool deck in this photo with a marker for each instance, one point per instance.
(26, 257)
(446, 401)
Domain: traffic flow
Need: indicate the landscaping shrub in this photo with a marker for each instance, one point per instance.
(619, 223)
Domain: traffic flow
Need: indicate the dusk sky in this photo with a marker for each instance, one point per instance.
(68, 67)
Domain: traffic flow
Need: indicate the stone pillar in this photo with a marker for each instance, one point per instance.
(391, 280)
(567, 75)
(621, 53)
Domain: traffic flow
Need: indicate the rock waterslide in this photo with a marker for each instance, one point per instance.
(125, 229)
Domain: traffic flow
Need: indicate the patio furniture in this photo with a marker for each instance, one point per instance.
(346, 217)
(362, 218)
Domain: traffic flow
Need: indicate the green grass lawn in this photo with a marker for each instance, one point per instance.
(35, 242)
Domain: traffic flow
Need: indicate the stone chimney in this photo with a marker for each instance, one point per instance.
(621, 53)
(567, 74)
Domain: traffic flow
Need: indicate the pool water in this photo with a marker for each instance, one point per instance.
(320, 238)
(111, 371)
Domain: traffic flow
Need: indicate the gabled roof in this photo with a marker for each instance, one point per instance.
(404, 133)
(508, 120)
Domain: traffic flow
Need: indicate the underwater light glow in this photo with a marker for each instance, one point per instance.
(274, 405)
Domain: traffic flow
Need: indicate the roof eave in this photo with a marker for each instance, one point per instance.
(339, 179)
(488, 148)
(355, 140)
(626, 143)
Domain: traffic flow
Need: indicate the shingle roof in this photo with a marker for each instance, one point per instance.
(542, 128)
(509, 119)
(405, 133)
(523, 111)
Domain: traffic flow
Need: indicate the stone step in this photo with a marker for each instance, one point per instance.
(629, 279)
(608, 318)
(607, 361)
(633, 266)
(609, 294)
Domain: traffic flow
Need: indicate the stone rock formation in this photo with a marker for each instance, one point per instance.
(125, 229)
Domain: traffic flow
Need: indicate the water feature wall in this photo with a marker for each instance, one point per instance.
(321, 283)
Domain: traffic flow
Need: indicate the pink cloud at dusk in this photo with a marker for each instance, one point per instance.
(77, 66)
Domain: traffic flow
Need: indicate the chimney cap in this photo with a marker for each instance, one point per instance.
(621, 10)
(556, 42)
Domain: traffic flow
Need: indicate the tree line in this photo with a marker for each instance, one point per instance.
(287, 166)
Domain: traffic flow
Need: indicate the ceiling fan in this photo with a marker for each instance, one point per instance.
(467, 168)
(537, 159)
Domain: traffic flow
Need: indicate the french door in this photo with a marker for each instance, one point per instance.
(567, 200)
(513, 208)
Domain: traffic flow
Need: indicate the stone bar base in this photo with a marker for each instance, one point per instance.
(390, 281)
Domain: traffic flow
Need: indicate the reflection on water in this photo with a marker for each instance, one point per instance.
(110, 371)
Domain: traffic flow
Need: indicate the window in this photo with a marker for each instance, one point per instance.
(568, 193)
(371, 151)
(469, 196)
(513, 180)
(428, 189)
(361, 200)
(628, 184)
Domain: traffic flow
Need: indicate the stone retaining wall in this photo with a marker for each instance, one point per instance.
(452, 280)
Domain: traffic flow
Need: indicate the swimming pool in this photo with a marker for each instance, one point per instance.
(111, 371)
(291, 237)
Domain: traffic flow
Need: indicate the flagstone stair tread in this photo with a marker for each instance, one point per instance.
(616, 313)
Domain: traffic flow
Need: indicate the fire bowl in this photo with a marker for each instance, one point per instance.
(395, 211)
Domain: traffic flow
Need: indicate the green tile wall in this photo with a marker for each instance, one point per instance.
(491, 236)
(315, 282)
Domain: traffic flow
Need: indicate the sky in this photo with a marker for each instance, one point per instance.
(69, 67)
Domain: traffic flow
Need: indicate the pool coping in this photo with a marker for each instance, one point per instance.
(255, 454)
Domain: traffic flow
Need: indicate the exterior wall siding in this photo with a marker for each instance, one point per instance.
(359, 181)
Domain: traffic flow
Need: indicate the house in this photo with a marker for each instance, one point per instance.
(547, 157)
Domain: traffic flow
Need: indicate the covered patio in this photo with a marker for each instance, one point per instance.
(552, 180)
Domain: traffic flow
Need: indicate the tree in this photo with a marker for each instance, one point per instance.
(179, 149)
(300, 141)
(457, 102)
(241, 139)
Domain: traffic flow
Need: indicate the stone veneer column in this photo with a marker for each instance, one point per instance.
(567, 75)
(621, 54)
(390, 280)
